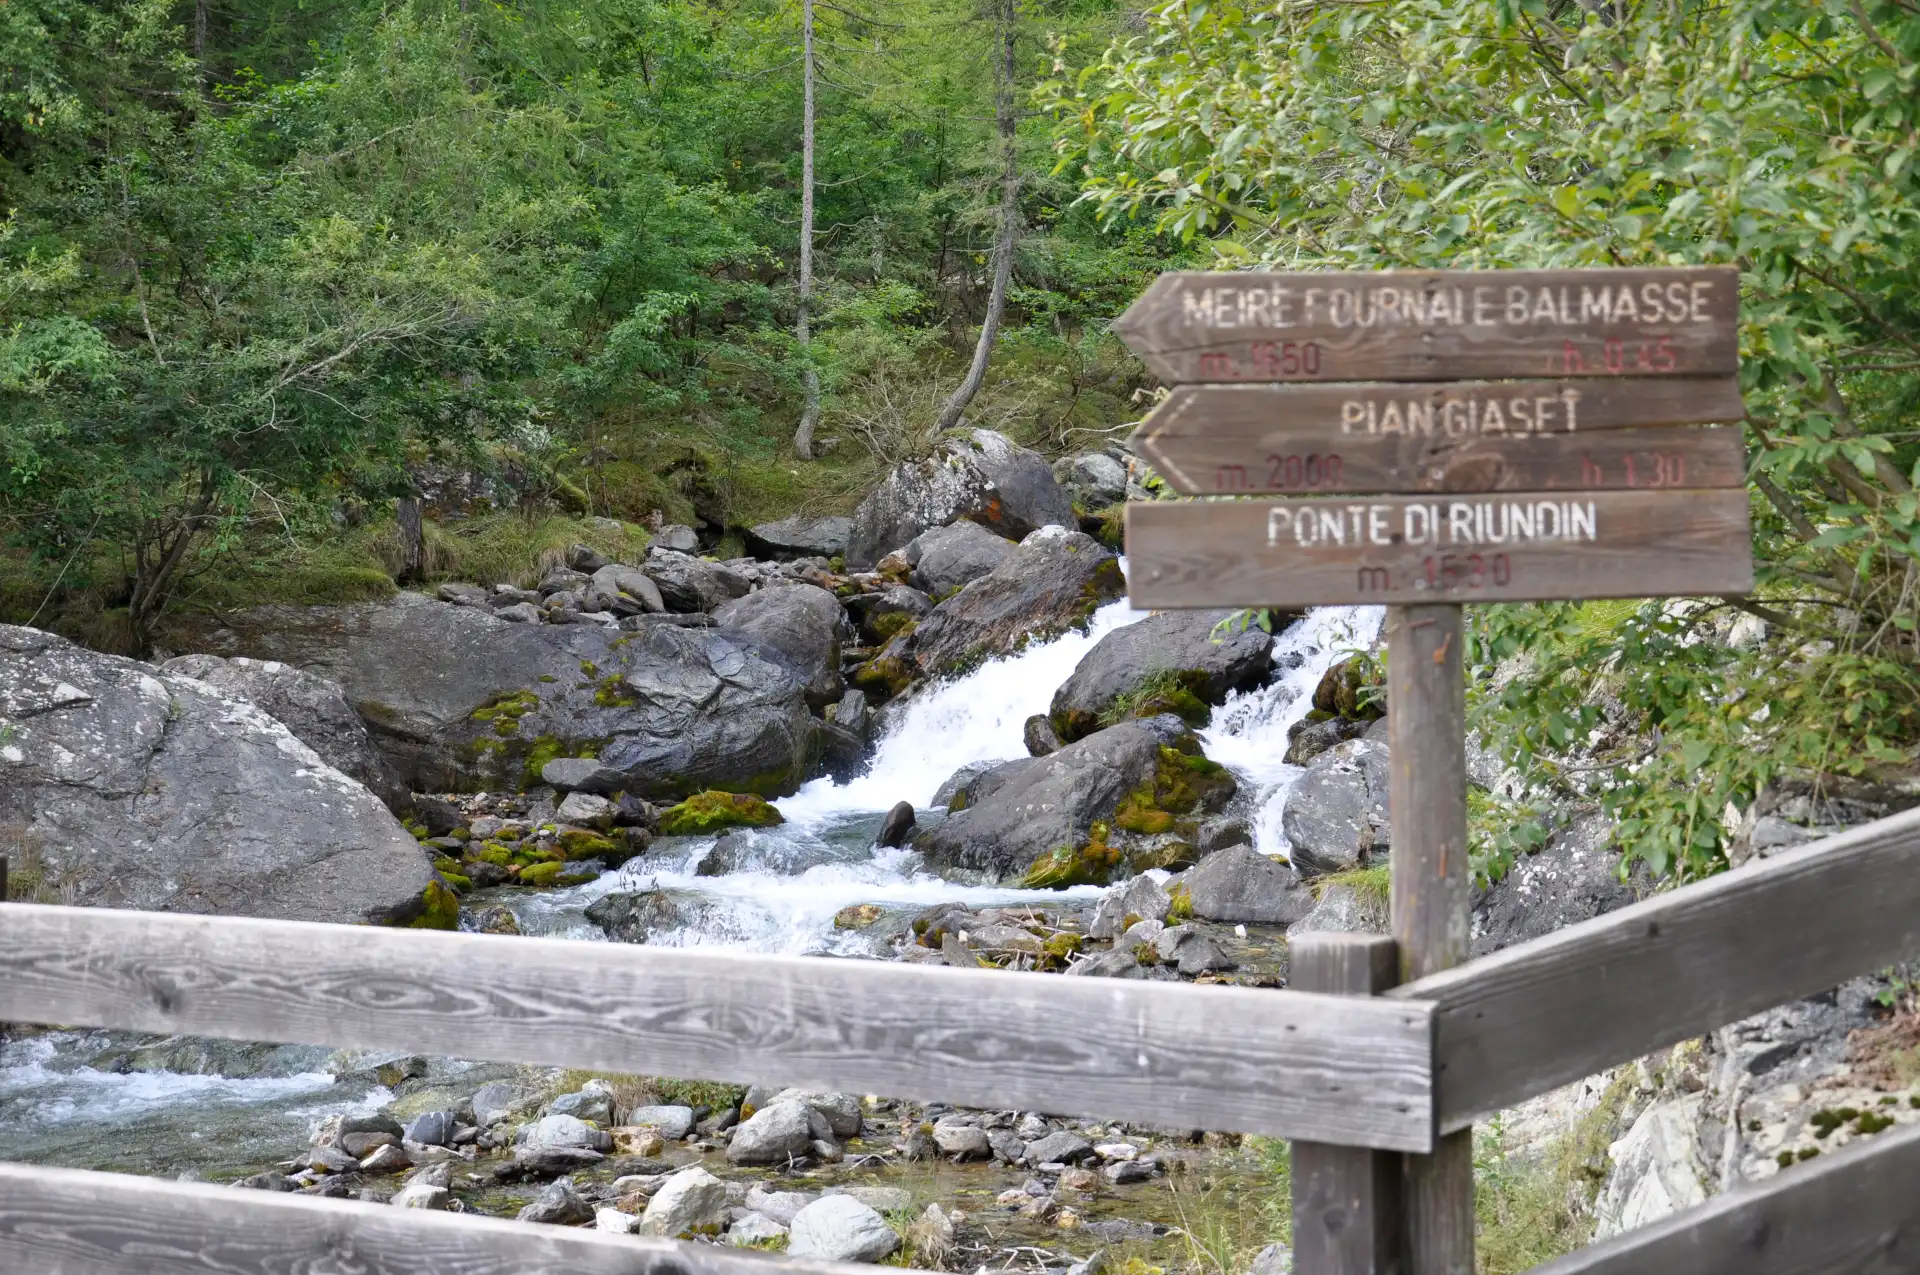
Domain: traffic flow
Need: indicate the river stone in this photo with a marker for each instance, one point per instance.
(881, 614)
(753, 1229)
(691, 1201)
(385, 1159)
(962, 1141)
(1059, 1148)
(1241, 884)
(313, 708)
(585, 810)
(1052, 583)
(557, 1204)
(565, 1131)
(494, 1102)
(1572, 878)
(677, 536)
(947, 559)
(1343, 909)
(984, 477)
(1336, 816)
(800, 624)
(1140, 897)
(421, 1195)
(839, 1228)
(881, 1199)
(977, 781)
(799, 537)
(581, 774)
(1172, 644)
(591, 1105)
(774, 1134)
(552, 1162)
(896, 827)
(459, 701)
(841, 1111)
(620, 582)
(1095, 479)
(1039, 736)
(1190, 951)
(432, 1128)
(148, 790)
(673, 1121)
(1049, 802)
(628, 917)
(1309, 739)
(688, 584)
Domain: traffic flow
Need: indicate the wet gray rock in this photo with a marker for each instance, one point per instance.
(582, 774)
(518, 613)
(841, 1111)
(774, 1134)
(1139, 897)
(1241, 884)
(947, 559)
(313, 708)
(558, 1204)
(466, 595)
(799, 537)
(1190, 951)
(800, 624)
(635, 916)
(1095, 479)
(585, 810)
(626, 590)
(495, 1101)
(432, 1128)
(839, 1228)
(673, 1121)
(1345, 909)
(1311, 739)
(552, 1162)
(689, 584)
(1051, 584)
(754, 1228)
(781, 1206)
(1336, 816)
(1047, 803)
(976, 781)
(458, 701)
(593, 1105)
(144, 789)
(962, 1141)
(897, 827)
(1059, 1148)
(1173, 646)
(1039, 736)
(1005, 488)
(1574, 877)
(565, 1131)
(884, 612)
(676, 536)
(422, 1195)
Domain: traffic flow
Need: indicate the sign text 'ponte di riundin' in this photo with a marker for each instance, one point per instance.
(1546, 407)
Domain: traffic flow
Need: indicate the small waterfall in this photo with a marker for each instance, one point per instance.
(1249, 732)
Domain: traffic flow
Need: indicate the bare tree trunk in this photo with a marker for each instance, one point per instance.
(413, 539)
(955, 406)
(810, 415)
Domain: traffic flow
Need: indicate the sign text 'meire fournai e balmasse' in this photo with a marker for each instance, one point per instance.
(1436, 325)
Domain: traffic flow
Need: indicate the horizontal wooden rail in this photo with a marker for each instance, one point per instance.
(1853, 1212)
(1353, 1070)
(1537, 1015)
(69, 1222)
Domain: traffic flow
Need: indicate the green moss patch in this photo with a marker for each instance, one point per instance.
(581, 844)
(505, 711)
(553, 875)
(1090, 864)
(440, 908)
(713, 810)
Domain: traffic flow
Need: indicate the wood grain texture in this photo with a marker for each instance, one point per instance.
(1537, 1015)
(1285, 1063)
(1249, 552)
(67, 1222)
(1431, 886)
(1346, 1200)
(1240, 440)
(1448, 325)
(1851, 1212)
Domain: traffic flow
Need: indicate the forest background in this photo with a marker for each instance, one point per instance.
(265, 264)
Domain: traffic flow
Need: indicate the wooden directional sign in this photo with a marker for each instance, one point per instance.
(1507, 547)
(1440, 325)
(1212, 440)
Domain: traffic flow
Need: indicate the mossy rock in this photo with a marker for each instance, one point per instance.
(554, 875)
(1350, 689)
(578, 844)
(461, 884)
(712, 810)
(857, 916)
(491, 852)
(440, 908)
(884, 676)
(1090, 864)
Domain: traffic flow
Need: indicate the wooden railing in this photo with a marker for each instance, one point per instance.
(1381, 1074)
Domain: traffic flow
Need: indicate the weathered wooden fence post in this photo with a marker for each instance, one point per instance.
(1346, 1200)
(1427, 794)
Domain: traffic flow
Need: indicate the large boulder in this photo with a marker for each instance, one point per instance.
(1095, 479)
(839, 1228)
(1052, 583)
(1166, 663)
(799, 537)
(1241, 884)
(459, 700)
(1574, 877)
(1122, 799)
(803, 625)
(947, 559)
(983, 477)
(313, 708)
(1336, 816)
(141, 789)
(689, 584)
(775, 1134)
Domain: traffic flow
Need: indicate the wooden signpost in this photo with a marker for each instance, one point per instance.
(1471, 436)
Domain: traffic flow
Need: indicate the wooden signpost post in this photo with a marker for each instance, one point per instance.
(1469, 436)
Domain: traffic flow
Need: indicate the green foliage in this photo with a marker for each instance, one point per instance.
(1775, 134)
(713, 810)
(1530, 1210)
(1373, 884)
